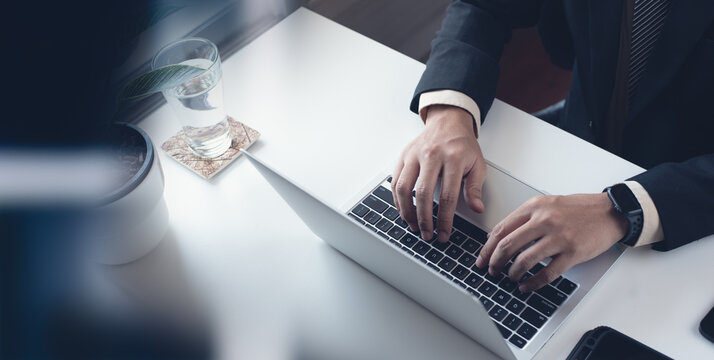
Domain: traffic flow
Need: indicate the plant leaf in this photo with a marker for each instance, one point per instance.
(157, 80)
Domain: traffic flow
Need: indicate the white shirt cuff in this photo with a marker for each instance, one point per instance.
(651, 228)
(453, 98)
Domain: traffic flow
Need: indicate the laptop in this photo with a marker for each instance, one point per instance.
(443, 277)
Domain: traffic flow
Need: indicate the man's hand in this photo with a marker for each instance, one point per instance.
(447, 147)
(569, 229)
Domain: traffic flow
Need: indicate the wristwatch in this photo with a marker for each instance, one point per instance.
(626, 204)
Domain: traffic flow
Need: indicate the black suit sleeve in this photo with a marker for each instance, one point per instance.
(683, 194)
(465, 54)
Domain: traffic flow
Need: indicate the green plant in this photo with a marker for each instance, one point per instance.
(158, 80)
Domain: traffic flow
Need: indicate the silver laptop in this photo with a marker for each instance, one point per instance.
(443, 277)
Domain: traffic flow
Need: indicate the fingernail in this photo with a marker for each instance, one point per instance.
(479, 204)
(488, 235)
(479, 261)
(413, 228)
(425, 236)
(522, 288)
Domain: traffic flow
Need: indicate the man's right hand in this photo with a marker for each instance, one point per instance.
(448, 148)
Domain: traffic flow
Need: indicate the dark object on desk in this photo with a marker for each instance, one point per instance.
(604, 343)
(706, 327)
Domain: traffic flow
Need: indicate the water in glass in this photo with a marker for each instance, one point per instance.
(199, 104)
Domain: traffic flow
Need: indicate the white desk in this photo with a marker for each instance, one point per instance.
(332, 107)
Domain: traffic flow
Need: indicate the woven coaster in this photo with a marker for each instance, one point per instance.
(177, 148)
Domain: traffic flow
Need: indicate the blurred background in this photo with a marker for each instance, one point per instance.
(64, 63)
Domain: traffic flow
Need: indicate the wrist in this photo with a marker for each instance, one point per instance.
(440, 115)
(617, 222)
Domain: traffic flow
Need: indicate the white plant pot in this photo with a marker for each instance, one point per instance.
(135, 217)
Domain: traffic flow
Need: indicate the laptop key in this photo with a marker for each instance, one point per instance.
(515, 306)
(473, 292)
(567, 286)
(501, 297)
(421, 247)
(470, 245)
(386, 237)
(538, 267)
(544, 306)
(355, 218)
(460, 272)
(518, 341)
(391, 213)
(504, 332)
(469, 229)
(552, 294)
(507, 285)
(371, 228)
(384, 225)
(512, 322)
(440, 245)
(487, 288)
(372, 217)
(533, 317)
(408, 251)
(460, 284)
(396, 232)
(360, 210)
(487, 303)
(454, 251)
(402, 224)
(481, 271)
(433, 266)
(507, 268)
(467, 259)
(407, 240)
(447, 264)
(375, 204)
(442, 272)
(384, 194)
(526, 331)
(494, 279)
(457, 238)
(434, 256)
(519, 295)
(473, 280)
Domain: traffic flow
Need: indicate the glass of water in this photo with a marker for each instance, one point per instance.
(198, 102)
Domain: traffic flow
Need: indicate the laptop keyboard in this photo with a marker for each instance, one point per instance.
(517, 315)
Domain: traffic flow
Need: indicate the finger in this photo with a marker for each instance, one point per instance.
(425, 197)
(510, 244)
(473, 184)
(403, 188)
(395, 177)
(448, 198)
(541, 250)
(559, 265)
(514, 220)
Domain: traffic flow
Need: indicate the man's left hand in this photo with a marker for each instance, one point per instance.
(568, 229)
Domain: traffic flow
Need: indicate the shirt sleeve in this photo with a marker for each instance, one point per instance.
(453, 98)
(651, 227)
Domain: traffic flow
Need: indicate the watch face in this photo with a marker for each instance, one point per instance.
(625, 198)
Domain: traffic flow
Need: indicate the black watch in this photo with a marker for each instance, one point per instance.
(626, 204)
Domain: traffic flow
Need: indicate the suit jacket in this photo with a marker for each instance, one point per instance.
(670, 128)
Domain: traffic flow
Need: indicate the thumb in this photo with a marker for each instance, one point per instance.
(473, 184)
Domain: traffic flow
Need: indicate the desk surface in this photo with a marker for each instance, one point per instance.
(332, 107)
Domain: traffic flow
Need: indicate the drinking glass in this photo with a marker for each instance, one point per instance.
(198, 102)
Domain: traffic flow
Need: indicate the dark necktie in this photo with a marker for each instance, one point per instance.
(640, 27)
(648, 17)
